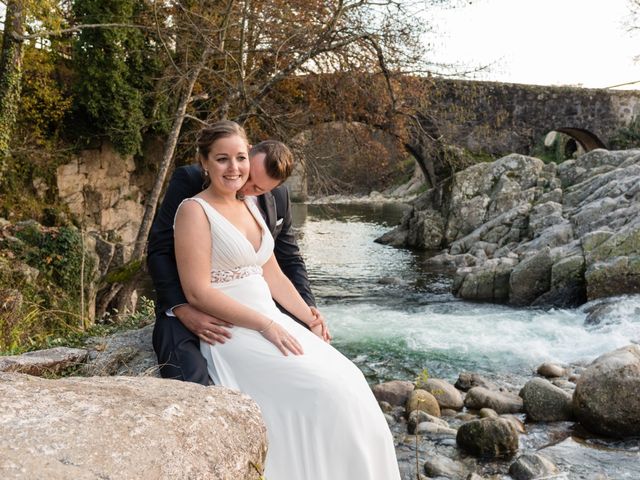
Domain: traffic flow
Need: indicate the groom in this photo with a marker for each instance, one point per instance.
(179, 327)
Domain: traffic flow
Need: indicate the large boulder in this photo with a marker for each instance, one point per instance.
(488, 437)
(125, 427)
(607, 395)
(544, 402)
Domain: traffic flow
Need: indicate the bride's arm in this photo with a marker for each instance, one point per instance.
(193, 255)
(283, 292)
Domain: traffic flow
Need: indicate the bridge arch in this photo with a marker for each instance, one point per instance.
(586, 139)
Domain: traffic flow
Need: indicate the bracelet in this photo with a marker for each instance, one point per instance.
(267, 327)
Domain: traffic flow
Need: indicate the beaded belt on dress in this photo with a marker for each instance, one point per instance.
(224, 276)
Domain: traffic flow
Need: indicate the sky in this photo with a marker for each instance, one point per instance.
(545, 42)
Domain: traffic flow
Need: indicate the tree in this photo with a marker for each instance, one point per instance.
(10, 73)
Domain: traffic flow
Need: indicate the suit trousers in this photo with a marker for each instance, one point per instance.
(178, 351)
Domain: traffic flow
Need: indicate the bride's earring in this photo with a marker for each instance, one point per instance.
(206, 173)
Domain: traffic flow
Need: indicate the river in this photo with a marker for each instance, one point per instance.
(394, 317)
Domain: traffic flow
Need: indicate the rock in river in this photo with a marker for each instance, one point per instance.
(607, 395)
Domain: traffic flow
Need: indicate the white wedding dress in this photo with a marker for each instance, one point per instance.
(323, 422)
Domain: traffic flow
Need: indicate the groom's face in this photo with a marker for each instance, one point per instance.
(259, 180)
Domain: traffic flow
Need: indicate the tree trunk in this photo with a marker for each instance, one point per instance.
(10, 75)
(121, 295)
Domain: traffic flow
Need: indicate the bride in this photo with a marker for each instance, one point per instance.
(323, 422)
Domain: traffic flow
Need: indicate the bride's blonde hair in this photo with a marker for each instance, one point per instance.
(209, 135)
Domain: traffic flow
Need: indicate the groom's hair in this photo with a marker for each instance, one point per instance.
(278, 160)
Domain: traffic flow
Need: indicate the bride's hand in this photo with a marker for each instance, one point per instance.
(283, 340)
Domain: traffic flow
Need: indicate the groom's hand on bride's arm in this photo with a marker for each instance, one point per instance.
(319, 325)
(207, 328)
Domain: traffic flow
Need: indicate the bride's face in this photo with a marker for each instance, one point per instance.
(227, 164)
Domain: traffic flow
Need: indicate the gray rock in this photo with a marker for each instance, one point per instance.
(389, 418)
(126, 427)
(501, 402)
(128, 353)
(531, 466)
(486, 282)
(607, 395)
(418, 417)
(430, 428)
(488, 437)
(445, 393)
(543, 216)
(467, 380)
(40, 362)
(551, 370)
(567, 287)
(441, 466)
(544, 402)
(530, 278)
(395, 392)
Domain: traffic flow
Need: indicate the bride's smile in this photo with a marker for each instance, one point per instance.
(227, 165)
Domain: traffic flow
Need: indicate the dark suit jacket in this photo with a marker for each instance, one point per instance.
(161, 261)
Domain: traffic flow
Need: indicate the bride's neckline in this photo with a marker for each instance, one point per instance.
(256, 216)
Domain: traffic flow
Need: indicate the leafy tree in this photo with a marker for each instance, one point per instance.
(112, 71)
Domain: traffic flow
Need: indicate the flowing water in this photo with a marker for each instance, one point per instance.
(395, 317)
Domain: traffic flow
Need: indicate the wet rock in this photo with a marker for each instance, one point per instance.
(531, 466)
(488, 437)
(385, 407)
(515, 421)
(488, 413)
(468, 380)
(127, 427)
(565, 385)
(40, 362)
(389, 418)
(429, 428)
(544, 402)
(466, 417)
(395, 392)
(423, 400)
(599, 313)
(447, 412)
(418, 417)
(501, 402)
(530, 278)
(488, 281)
(607, 395)
(441, 466)
(567, 288)
(445, 393)
(551, 370)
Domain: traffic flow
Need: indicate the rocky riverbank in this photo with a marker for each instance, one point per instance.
(523, 232)
(569, 421)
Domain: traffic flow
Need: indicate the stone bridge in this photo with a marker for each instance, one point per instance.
(462, 122)
(500, 118)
